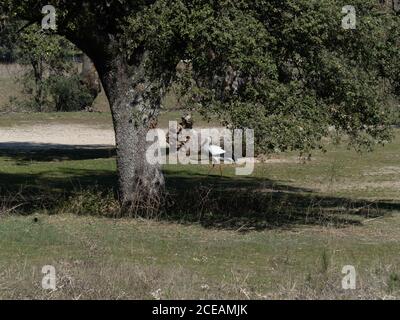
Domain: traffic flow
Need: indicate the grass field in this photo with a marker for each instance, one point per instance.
(284, 232)
(96, 119)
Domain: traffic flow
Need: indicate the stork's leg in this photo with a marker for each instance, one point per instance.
(220, 169)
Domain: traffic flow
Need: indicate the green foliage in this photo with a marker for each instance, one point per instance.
(42, 49)
(7, 32)
(284, 68)
(393, 282)
(92, 202)
(68, 93)
(51, 79)
(45, 55)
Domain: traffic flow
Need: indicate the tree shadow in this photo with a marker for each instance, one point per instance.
(50, 191)
(23, 152)
(252, 203)
(231, 203)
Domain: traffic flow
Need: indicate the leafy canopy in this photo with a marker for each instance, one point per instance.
(284, 68)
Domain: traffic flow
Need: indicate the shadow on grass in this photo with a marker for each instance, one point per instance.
(233, 203)
(252, 203)
(23, 152)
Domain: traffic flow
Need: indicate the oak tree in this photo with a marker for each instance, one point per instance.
(287, 69)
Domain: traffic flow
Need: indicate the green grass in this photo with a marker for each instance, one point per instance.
(284, 232)
(95, 119)
(133, 258)
(24, 119)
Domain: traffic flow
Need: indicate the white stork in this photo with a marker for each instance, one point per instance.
(216, 154)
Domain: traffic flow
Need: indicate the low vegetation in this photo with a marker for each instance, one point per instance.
(299, 224)
(300, 73)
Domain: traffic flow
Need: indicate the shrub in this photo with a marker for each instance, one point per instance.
(69, 94)
(93, 201)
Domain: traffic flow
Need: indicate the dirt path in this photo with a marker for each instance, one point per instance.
(64, 136)
(55, 136)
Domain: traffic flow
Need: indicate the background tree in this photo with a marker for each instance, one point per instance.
(8, 29)
(46, 54)
(285, 68)
(50, 78)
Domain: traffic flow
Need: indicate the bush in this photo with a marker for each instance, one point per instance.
(69, 94)
(93, 201)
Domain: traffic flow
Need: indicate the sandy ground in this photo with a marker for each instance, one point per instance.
(66, 136)
(55, 136)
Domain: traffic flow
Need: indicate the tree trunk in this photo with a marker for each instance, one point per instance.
(37, 66)
(133, 100)
(134, 109)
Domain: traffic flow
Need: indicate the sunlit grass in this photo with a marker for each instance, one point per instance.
(239, 254)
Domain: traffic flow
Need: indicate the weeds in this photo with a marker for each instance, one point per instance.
(245, 211)
(325, 262)
(92, 202)
(393, 283)
(206, 217)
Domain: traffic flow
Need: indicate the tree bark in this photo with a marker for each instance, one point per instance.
(132, 96)
(134, 106)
